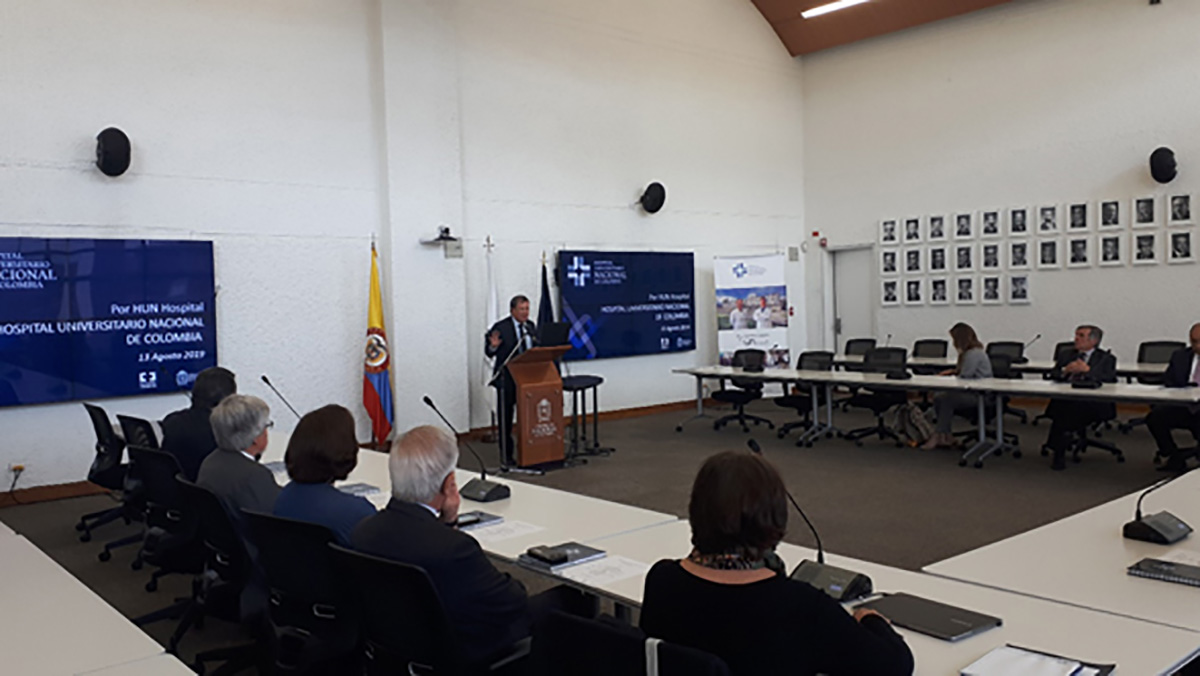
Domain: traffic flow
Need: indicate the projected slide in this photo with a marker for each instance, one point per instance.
(86, 319)
(627, 303)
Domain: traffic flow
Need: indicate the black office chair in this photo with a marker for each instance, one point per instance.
(133, 503)
(1001, 368)
(1084, 440)
(855, 347)
(1061, 351)
(1014, 351)
(565, 644)
(930, 348)
(801, 402)
(138, 432)
(171, 543)
(107, 471)
(404, 627)
(748, 390)
(1152, 352)
(879, 360)
(314, 630)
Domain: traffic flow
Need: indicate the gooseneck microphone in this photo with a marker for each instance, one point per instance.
(1163, 528)
(1035, 339)
(479, 490)
(840, 584)
(280, 395)
(888, 342)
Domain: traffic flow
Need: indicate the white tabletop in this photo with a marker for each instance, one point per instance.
(1136, 647)
(1082, 559)
(1031, 366)
(159, 665)
(52, 624)
(5, 530)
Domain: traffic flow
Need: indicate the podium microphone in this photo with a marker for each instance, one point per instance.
(280, 395)
(841, 584)
(479, 490)
(1163, 528)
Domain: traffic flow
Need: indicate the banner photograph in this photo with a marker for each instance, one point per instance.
(752, 307)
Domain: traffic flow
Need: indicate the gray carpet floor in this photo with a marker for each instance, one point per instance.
(897, 506)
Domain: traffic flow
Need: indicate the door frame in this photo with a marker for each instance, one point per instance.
(829, 296)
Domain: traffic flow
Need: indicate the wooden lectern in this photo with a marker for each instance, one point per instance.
(539, 429)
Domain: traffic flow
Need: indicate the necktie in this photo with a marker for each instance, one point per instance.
(1196, 372)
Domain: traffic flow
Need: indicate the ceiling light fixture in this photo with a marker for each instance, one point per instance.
(831, 7)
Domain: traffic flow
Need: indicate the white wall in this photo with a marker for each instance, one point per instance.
(252, 126)
(1038, 101)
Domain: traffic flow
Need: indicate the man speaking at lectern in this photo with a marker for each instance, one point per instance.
(514, 332)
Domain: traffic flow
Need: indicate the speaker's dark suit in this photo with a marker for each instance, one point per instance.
(1071, 415)
(487, 608)
(188, 435)
(1163, 419)
(505, 388)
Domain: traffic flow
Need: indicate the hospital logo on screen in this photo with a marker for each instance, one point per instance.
(579, 271)
(18, 273)
(148, 380)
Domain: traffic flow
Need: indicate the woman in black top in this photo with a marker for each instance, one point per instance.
(732, 598)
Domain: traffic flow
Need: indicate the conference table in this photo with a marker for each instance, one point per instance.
(159, 665)
(1081, 560)
(1034, 366)
(1137, 647)
(53, 624)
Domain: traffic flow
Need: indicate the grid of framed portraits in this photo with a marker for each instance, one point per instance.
(985, 257)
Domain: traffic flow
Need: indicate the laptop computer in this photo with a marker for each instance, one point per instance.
(931, 618)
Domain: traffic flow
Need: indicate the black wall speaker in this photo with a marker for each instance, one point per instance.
(654, 198)
(1163, 166)
(112, 151)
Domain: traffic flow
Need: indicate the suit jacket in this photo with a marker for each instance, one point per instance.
(488, 609)
(508, 340)
(1179, 371)
(188, 435)
(240, 482)
(1103, 367)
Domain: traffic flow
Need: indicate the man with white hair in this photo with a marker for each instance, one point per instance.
(232, 472)
(489, 610)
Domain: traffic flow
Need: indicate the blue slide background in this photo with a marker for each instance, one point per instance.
(43, 361)
(627, 303)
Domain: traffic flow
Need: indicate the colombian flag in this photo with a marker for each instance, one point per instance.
(377, 377)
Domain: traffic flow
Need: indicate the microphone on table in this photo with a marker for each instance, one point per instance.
(841, 584)
(1035, 339)
(479, 490)
(280, 395)
(1163, 528)
(888, 342)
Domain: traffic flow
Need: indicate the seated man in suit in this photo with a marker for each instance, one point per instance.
(1183, 371)
(489, 610)
(232, 472)
(1087, 363)
(187, 433)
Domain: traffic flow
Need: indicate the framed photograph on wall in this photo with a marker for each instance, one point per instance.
(1180, 210)
(990, 292)
(889, 263)
(1018, 221)
(964, 291)
(989, 223)
(889, 293)
(1077, 217)
(1180, 247)
(964, 257)
(1079, 252)
(913, 261)
(889, 232)
(1047, 219)
(989, 256)
(1145, 212)
(937, 229)
(937, 259)
(939, 291)
(1144, 248)
(964, 226)
(1109, 214)
(1112, 251)
(1018, 254)
(912, 230)
(1018, 290)
(1049, 254)
(914, 291)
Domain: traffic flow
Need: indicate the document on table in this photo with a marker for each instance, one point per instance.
(503, 530)
(604, 571)
(1188, 558)
(1010, 660)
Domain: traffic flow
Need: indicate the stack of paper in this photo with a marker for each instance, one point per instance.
(1012, 661)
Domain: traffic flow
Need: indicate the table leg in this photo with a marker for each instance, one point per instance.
(817, 428)
(597, 449)
(982, 442)
(699, 405)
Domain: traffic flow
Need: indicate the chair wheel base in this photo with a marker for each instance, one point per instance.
(1017, 454)
(104, 555)
(136, 564)
(1120, 458)
(679, 428)
(152, 586)
(80, 527)
(962, 463)
(86, 537)
(978, 464)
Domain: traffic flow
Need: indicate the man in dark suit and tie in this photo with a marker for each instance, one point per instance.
(1086, 363)
(514, 332)
(1183, 371)
(187, 434)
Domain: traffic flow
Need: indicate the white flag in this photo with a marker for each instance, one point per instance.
(492, 307)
